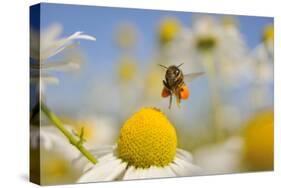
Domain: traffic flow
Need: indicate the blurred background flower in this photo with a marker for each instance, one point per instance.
(259, 141)
(221, 158)
(51, 45)
(262, 68)
(60, 161)
(168, 30)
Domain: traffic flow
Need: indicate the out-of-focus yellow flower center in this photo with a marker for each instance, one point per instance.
(127, 69)
(78, 125)
(268, 33)
(259, 141)
(168, 30)
(56, 169)
(229, 21)
(88, 132)
(206, 43)
(147, 139)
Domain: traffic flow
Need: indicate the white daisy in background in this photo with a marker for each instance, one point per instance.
(263, 69)
(209, 45)
(58, 157)
(96, 130)
(221, 158)
(251, 150)
(146, 148)
(46, 45)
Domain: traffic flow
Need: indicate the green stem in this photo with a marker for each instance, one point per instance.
(74, 141)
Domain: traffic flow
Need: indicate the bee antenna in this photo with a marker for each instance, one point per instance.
(163, 66)
(180, 65)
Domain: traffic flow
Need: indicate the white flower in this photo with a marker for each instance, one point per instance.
(146, 148)
(213, 46)
(51, 139)
(51, 44)
(221, 158)
(46, 45)
(263, 71)
(100, 131)
(110, 167)
(263, 64)
(56, 156)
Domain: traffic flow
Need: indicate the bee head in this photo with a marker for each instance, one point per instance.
(173, 72)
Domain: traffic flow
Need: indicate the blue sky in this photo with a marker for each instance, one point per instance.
(103, 21)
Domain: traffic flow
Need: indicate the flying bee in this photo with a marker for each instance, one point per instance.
(175, 83)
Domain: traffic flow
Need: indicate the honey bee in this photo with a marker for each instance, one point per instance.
(175, 83)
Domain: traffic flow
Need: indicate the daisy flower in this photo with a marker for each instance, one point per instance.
(168, 30)
(146, 148)
(53, 154)
(126, 36)
(253, 150)
(57, 168)
(46, 45)
(259, 141)
(209, 44)
(262, 68)
(220, 158)
(97, 130)
(61, 161)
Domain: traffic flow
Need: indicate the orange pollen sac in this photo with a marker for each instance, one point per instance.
(184, 92)
(165, 92)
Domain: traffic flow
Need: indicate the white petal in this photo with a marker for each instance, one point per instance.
(182, 154)
(108, 157)
(59, 45)
(80, 35)
(160, 172)
(184, 168)
(221, 158)
(51, 33)
(130, 172)
(151, 172)
(99, 153)
(105, 170)
(134, 173)
(47, 79)
(102, 151)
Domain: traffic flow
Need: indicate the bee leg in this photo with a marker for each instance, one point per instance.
(170, 103)
(165, 84)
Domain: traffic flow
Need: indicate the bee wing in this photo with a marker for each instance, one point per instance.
(192, 76)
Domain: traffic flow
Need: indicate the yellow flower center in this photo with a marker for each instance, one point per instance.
(259, 141)
(56, 169)
(78, 125)
(147, 139)
(168, 30)
(88, 132)
(268, 33)
(127, 69)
